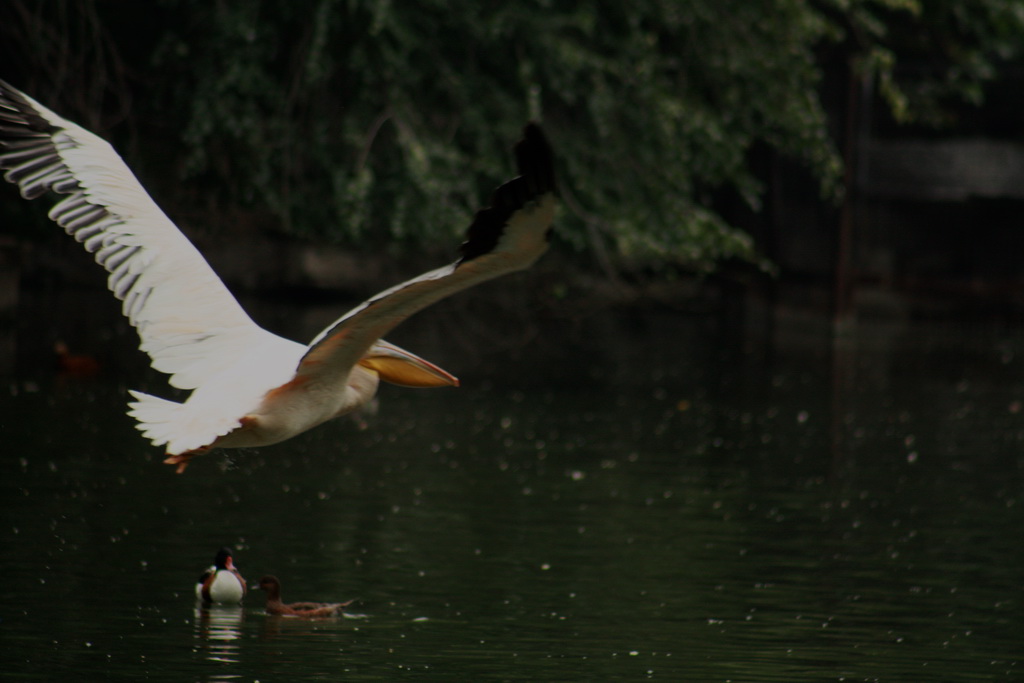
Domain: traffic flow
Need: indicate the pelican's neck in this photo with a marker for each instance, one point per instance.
(362, 387)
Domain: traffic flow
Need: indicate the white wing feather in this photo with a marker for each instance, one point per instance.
(188, 322)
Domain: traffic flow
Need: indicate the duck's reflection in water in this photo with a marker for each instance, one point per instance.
(275, 625)
(218, 628)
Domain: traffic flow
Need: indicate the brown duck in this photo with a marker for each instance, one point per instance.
(272, 586)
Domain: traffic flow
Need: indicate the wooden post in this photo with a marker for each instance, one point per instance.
(856, 133)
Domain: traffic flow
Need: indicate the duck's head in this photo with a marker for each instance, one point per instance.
(269, 584)
(224, 560)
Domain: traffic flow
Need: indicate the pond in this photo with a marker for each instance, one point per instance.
(616, 496)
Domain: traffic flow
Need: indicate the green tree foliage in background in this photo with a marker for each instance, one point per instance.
(374, 122)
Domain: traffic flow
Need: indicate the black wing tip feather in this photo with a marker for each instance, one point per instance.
(27, 148)
(536, 160)
(536, 165)
(18, 118)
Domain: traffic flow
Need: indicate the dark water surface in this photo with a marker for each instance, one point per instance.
(619, 498)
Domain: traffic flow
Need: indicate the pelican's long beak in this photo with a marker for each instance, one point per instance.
(398, 366)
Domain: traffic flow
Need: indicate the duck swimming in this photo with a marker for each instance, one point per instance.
(221, 583)
(272, 586)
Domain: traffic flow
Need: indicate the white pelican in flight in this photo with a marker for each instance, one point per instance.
(249, 387)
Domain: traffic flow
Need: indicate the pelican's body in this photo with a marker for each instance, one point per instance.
(275, 404)
(249, 387)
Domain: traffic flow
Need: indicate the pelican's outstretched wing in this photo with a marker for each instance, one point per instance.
(188, 321)
(508, 236)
